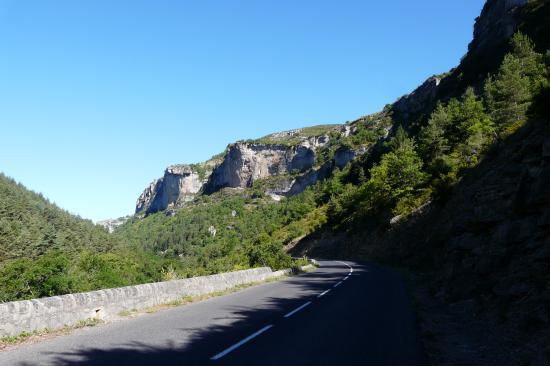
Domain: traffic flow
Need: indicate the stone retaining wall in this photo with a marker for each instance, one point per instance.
(66, 310)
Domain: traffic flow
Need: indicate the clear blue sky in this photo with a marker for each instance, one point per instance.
(97, 97)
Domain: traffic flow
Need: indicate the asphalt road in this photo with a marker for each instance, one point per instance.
(344, 313)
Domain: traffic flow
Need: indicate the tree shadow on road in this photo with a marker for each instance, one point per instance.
(199, 345)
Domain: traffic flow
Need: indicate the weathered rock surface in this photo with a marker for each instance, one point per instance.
(179, 184)
(112, 224)
(422, 98)
(245, 163)
(497, 22)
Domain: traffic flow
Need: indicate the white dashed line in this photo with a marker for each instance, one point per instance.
(267, 327)
(350, 267)
(324, 293)
(237, 345)
(297, 309)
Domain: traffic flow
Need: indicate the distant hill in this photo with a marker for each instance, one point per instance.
(30, 225)
(46, 251)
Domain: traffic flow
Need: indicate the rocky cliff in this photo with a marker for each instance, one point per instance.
(179, 184)
(496, 24)
(111, 224)
(295, 160)
(245, 163)
(292, 154)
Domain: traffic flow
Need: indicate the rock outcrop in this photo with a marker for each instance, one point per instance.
(242, 164)
(421, 99)
(111, 224)
(179, 184)
(245, 163)
(497, 22)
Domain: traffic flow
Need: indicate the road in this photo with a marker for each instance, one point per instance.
(344, 313)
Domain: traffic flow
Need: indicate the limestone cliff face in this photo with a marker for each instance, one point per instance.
(497, 22)
(245, 162)
(242, 164)
(420, 99)
(179, 184)
(112, 224)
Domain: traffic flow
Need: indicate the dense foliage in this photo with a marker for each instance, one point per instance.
(46, 251)
(222, 232)
(30, 225)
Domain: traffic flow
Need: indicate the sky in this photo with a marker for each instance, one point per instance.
(97, 97)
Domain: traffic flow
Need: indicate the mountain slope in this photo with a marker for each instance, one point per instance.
(30, 225)
(46, 251)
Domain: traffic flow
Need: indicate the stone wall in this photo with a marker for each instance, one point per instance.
(59, 311)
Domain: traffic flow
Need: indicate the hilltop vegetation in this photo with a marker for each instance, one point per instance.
(294, 137)
(30, 225)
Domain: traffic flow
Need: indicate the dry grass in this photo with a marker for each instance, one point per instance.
(40, 335)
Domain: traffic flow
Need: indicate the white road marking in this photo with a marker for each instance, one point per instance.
(338, 284)
(350, 267)
(297, 309)
(345, 278)
(324, 293)
(237, 345)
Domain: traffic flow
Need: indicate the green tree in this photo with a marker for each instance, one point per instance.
(399, 172)
(509, 93)
(433, 141)
(477, 128)
(399, 140)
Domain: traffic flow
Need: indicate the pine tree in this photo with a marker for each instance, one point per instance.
(508, 94)
(399, 141)
(477, 129)
(399, 172)
(433, 141)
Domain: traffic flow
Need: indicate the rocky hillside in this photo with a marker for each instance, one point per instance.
(478, 246)
(449, 182)
(295, 159)
(303, 157)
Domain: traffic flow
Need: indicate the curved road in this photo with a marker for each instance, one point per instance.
(344, 313)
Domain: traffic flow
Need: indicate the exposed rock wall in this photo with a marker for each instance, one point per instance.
(111, 224)
(245, 163)
(497, 22)
(421, 99)
(179, 184)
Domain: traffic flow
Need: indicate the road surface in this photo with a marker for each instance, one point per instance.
(344, 313)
